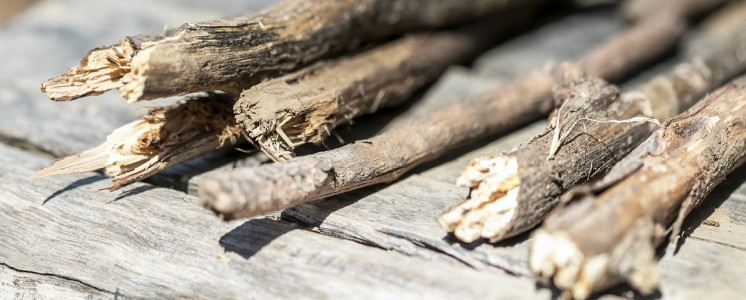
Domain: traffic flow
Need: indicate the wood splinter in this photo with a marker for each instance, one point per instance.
(512, 192)
(164, 137)
(249, 192)
(230, 55)
(610, 232)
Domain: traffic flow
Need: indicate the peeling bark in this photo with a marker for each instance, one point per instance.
(610, 233)
(304, 106)
(230, 55)
(384, 158)
(512, 192)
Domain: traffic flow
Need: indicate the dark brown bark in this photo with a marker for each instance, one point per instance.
(610, 234)
(512, 192)
(231, 55)
(305, 106)
(251, 192)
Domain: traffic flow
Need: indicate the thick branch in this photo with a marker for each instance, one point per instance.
(251, 192)
(512, 192)
(610, 234)
(164, 137)
(233, 54)
(305, 106)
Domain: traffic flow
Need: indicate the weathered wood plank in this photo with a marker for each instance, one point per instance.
(563, 39)
(49, 37)
(703, 270)
(156, 242)
(726, 206)
(18, 284)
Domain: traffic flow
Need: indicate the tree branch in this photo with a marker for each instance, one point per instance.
(610, 234)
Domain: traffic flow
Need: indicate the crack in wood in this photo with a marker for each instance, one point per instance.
(63, 277)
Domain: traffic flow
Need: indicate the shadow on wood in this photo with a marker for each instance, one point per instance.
(74, 185)
(251, 236)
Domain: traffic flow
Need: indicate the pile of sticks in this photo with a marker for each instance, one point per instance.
(290, 74)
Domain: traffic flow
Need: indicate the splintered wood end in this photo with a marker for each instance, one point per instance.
(101, 70)
(492, 202)
(87, 161)
(164, 137)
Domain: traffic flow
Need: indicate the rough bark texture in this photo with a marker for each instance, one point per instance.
(164, 137)
(514, 191)
(610, 234)
(283, 113)
(233, 54)
(250, 192)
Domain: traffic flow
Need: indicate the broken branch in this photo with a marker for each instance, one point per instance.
(610, 233)
(164, 137)
(305, 106)
(230, 55)
(384, 158)
(284, 112)
(512, 192)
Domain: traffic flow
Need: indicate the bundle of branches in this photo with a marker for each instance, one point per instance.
(231, 55)
(610, 233)
(254, 191)
(593, 129)
(282, 112)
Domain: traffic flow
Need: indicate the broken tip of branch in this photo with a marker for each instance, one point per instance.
(164, 137)
(101, 70)
(491, 205)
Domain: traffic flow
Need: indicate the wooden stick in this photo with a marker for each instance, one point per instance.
(633, 10)
(254, 191)
(166, 136)
(610, 234)
(230, 55)
(304, 106)
(512, 192)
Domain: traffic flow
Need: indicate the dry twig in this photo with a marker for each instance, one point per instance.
(232, 54)
(512, 192)
(610, 233)
(254, 191)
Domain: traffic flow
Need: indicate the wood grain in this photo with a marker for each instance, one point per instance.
(153, 242)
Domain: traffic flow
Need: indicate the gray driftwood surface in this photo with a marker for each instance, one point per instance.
(154, 242)
(380, 242)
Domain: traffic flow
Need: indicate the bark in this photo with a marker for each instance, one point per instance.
(512, 192)
(304, 106)
(287, 111)
(233, 54)
(164, 137)
(610, 233)
(384, 158)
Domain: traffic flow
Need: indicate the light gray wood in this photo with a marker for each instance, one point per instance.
(151, 242)
(48, 37)
(563, 39)
(20, 284)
